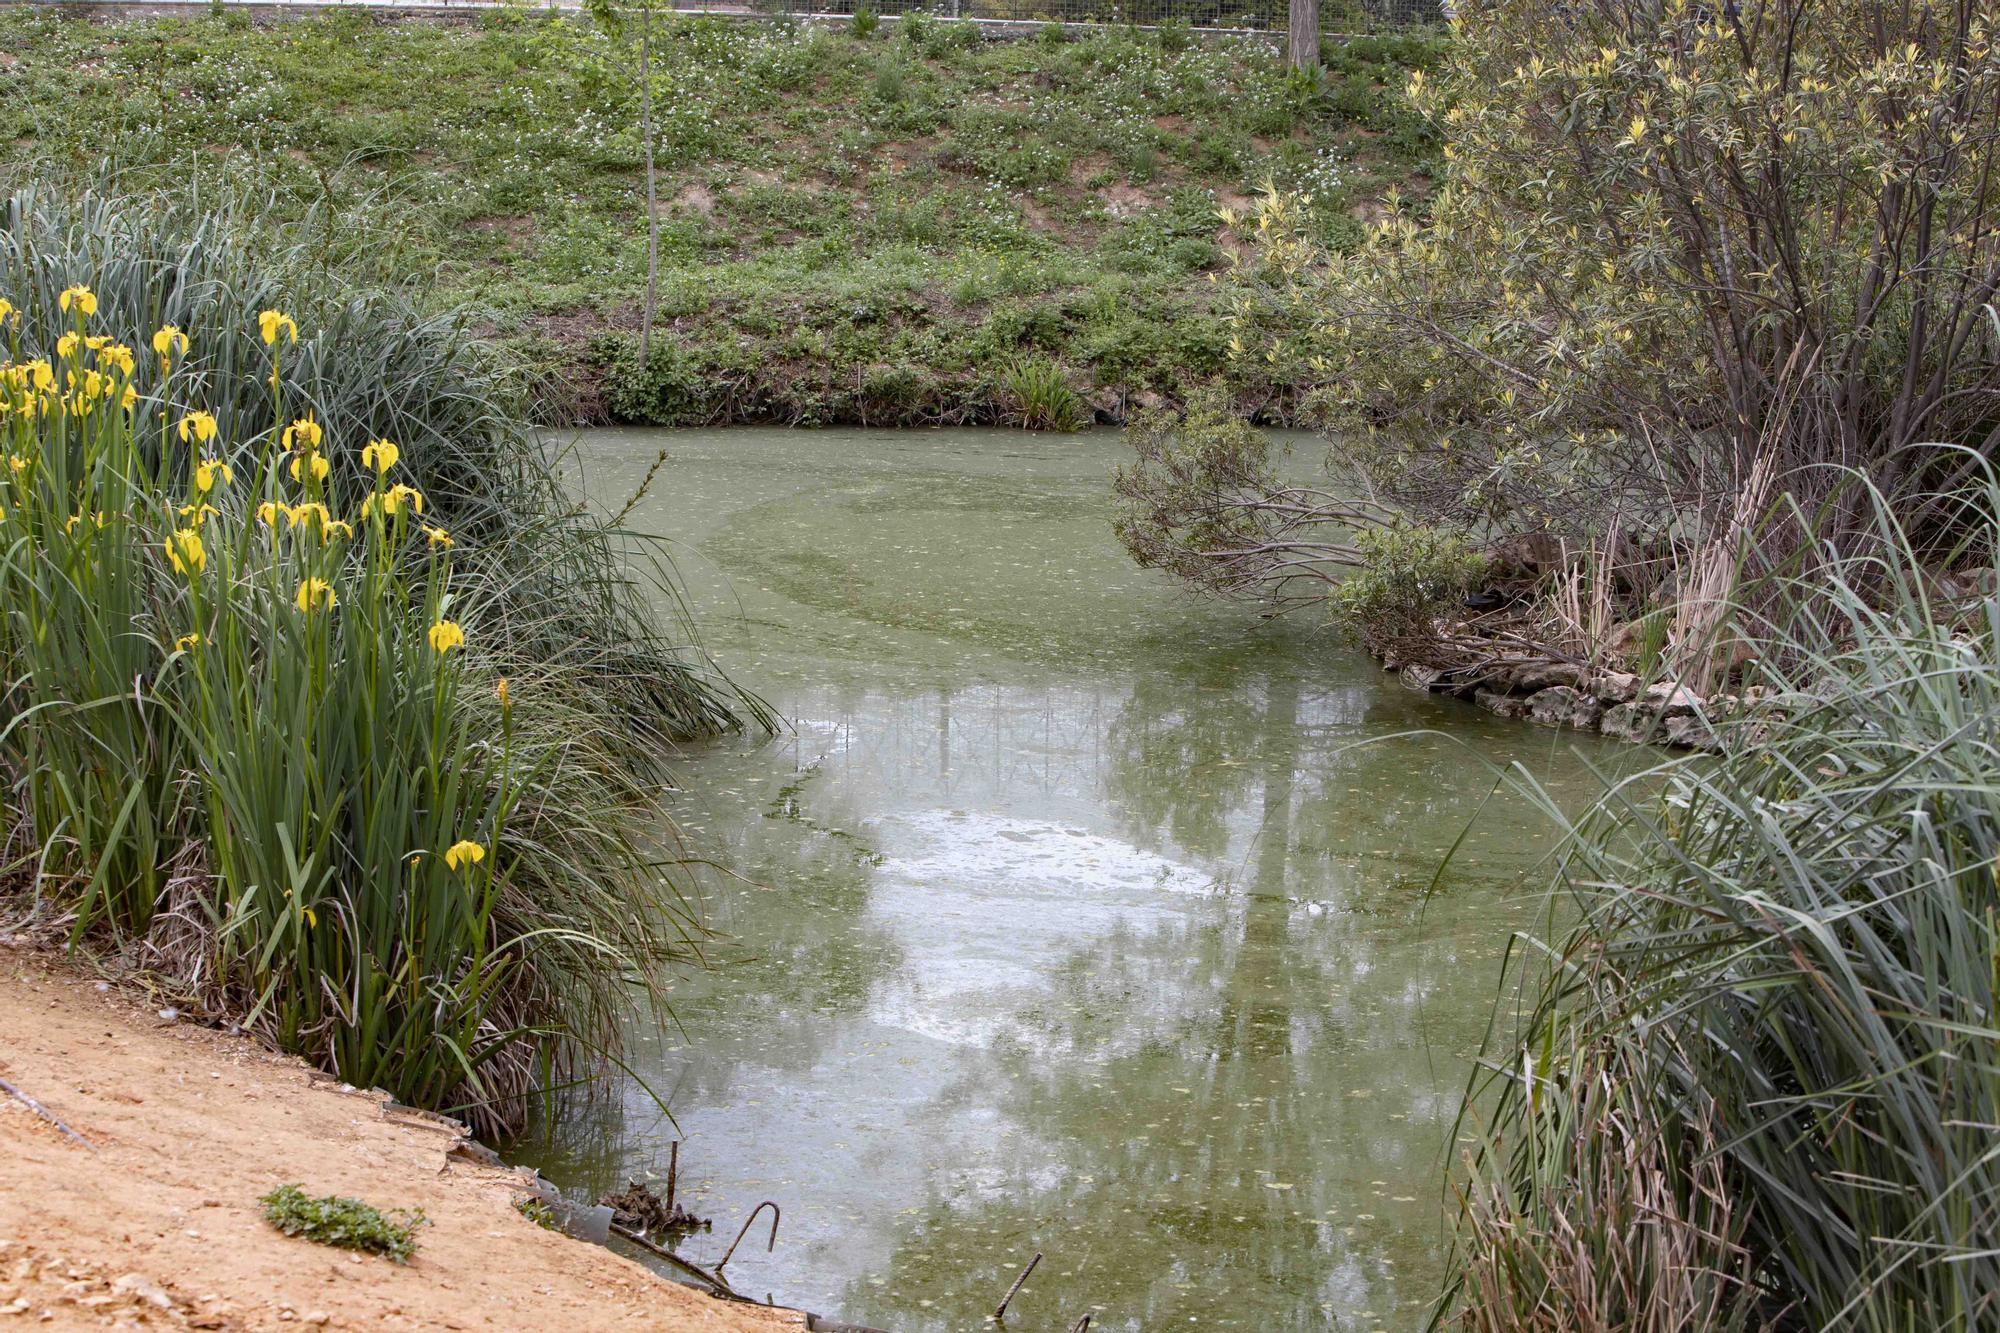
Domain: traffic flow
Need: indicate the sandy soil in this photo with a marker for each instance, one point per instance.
(158, 1226)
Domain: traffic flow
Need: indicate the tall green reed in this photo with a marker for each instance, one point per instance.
(383, 855)
(371, 365)
(97, 765)
(1773, 1022)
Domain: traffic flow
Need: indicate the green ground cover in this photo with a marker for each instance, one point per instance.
(881, 229)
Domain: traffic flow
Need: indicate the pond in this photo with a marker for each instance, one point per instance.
(1074, 914)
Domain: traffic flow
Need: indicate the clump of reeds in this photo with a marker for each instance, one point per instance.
(370, 365)
(257, 720)
(1756, 1084)
(1042, 397)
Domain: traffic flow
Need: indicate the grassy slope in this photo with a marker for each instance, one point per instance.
(852, 229)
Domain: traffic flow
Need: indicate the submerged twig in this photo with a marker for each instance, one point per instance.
(45, 1113)
(1082, 1324)
(1001, 1313)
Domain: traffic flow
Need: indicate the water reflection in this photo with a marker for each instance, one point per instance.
(1078, 918)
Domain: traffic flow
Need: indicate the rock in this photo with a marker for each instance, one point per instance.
(1501, 702)
(1420, 677)
(1670, 698)
(1630, 722)
(1565, 706)
(1615, 687)
(1545, 675)
(140, 1287)
(1691, 732)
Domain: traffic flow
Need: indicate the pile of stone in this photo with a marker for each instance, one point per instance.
(1617, 704)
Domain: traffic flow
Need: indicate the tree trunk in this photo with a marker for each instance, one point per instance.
(652, 189)
(1303, 50)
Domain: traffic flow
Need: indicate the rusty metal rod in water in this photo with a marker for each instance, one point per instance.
(1001, 1313)
(768, 1245)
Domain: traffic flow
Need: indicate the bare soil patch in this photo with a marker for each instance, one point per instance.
(155, 1224)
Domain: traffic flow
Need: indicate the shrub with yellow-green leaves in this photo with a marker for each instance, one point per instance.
(1671, 242)
(251, 730)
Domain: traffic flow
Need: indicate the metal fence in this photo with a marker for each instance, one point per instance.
(1209, 15)
(1336, 16)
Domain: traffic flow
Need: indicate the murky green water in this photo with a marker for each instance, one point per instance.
(1071, 918)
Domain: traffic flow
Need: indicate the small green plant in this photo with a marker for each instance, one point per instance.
(864, 22)
(539, 1211)
(1649, 643)
(892, 85)
(1409, 575)
(1042, 398)
(345, 1224)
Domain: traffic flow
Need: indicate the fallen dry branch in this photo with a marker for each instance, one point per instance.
(45, 1113)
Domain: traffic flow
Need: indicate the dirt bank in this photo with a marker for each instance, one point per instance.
(156, 1224)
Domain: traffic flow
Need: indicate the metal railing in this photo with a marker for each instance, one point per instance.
(1206, 15)
(1336, 16)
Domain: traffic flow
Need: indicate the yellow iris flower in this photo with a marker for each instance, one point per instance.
(271, 511)
(316, 462)
(169, 342)
(446, 635)
(463, 853)
(391, 501)
(380, 455)
(315, 594)
(186, 552)
(438, 536)
(82, 298)
(207, 471)
(303, 433)
(270, 323)
(186, 641)
(197, 428)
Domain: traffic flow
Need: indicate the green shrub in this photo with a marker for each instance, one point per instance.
(1042, 397)
(1408, 576)
(1681, 325)
(892, 81)
(345, 1224)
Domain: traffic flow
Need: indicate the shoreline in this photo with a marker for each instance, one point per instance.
(152, 1218)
